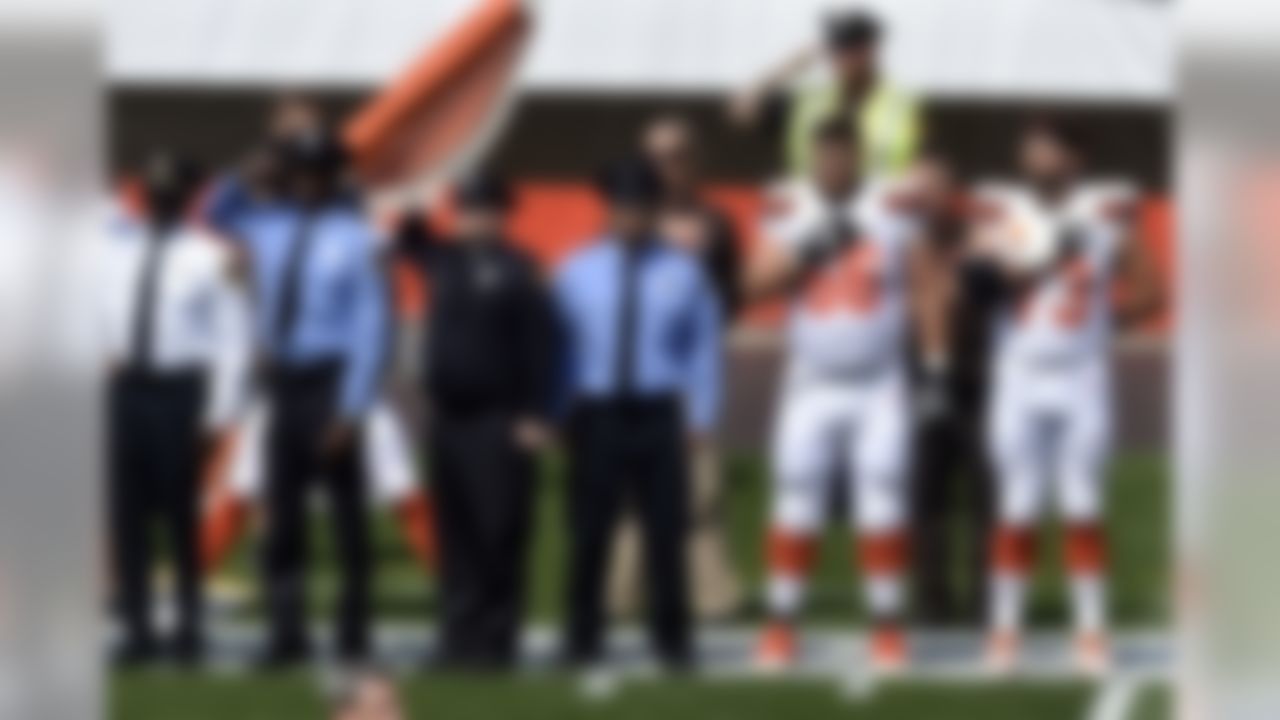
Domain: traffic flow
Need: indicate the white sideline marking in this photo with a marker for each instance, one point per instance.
(726, 655)
(1114, 700)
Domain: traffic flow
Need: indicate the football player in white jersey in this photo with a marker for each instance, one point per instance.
(842, 250)
(1060, 246)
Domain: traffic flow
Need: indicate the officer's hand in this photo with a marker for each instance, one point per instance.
(698, 441)
(532, 435)
(337, 439)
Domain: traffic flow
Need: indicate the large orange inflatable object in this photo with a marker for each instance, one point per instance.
(445, 103)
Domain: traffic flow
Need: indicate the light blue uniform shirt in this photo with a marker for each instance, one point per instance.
(677, 342)
(342, 312)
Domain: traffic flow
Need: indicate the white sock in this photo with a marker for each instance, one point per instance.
(1008, 601)
(884, 596)
(1089, 602)
(785, 594)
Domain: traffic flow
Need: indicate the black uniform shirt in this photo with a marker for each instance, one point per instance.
(490, 336)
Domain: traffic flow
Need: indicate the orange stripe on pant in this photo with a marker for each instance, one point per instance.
(1086, 549)
(791, 554)
(1013, 550)
(883, 554)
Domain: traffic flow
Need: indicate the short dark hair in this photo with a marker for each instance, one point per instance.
(630, 181)
(483, 190)
(321, 152)
(1069, 133)
(852, 29)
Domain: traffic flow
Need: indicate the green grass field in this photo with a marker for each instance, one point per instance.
(1138, 517)
(154, 697)
(1138, 512)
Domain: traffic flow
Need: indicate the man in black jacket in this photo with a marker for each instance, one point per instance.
(489, 358)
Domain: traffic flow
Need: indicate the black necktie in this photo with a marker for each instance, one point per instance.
(144, 310)
(291, 287)
(628, 312)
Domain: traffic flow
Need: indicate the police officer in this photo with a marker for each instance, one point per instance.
(321, 320)
(642, 325)
(489, 365)
(885, 118)
(176, 330)
(695, 225)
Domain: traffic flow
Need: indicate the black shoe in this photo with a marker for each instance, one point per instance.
(284, 655)
(354, 654)
(579, 660)
(134, 653)
(187, 650)
(677, 663)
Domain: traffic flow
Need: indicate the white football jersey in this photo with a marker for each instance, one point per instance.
(1065, 317)
(851, 315)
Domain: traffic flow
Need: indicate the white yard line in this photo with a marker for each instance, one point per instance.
(725, 655)
(1114, 700)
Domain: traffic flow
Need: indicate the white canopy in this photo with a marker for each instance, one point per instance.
(1105, 50)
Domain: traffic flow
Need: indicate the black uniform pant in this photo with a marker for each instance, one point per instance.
(952, 513)
(628, 452)
(303, 408)
(483, 489)
(155, 454)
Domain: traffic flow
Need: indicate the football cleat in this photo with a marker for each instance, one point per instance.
(888, 650)
(778, 647)
(1092, 654)
(1001, 655)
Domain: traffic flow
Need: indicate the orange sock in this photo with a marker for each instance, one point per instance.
(883, 557)
(1013, 549)
(220, 528)
(1086, 564)
(790, 558)
(790, 553)
(1012, 557)
(418, 525)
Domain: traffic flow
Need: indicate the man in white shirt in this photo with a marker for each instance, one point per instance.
(174, 329)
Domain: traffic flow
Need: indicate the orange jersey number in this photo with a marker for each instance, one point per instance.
(850, 284)
(1078, 279)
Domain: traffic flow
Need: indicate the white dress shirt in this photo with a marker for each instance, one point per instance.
(200, 317)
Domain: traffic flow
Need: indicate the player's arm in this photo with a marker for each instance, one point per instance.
(1144, 293)
(415, 240)
(791, 253)
(773, 271)
(993, 269)
(747, 108)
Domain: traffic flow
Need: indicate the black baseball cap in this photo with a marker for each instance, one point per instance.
(173, 171)
(483, 190)
(630, 181)
(318, 153)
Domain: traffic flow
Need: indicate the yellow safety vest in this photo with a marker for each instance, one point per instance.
(888, 125)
